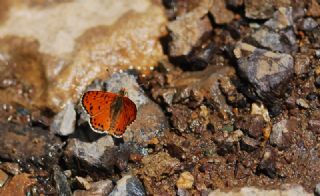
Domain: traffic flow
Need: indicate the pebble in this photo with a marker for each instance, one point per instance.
(317, 82)
(317, 190)
(83, 182)
(64, 122)
(3, 178)
(61, 181)
(99, 188)
(302, 103)
(185, 180)
(220, 13)
(278, 129)
(249, 144)
(128, 185)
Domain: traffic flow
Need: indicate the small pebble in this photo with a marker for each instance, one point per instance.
(312, 96)
(185, 180)
(83, 182)
(3, 178)
(302, 103)
(317, 190)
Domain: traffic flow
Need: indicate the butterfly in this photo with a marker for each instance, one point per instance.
(109, 112)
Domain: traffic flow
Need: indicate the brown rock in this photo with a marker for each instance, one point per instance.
(166, 165)
(220, 13)
(185, 180)
(187, 30)
(314, 125)
(252, 125)
(132, 41)
(18, 185)
(301, 64)
(3, 178)
(314, 8)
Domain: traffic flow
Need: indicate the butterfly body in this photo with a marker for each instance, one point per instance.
(109, 112)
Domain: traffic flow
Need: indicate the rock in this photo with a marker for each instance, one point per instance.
(185, 181)
(83, 182)
(127, 35)
(61, 182)
(187, 30)
(302, 103)
(150, 121)
(317, 190)
(301, 64)
(96, 155)
(258, 10)
(234, 3)
(282, 18)
(307, 24)
(18, 185)
(314, 8)
(252, 125)
(11, 168)
(29, 144)
(314, 36)
(103, 187)
(317, 54)
(166, 165)
(285, 190)
(128, 185)
(268, 72)
(283, 41)
(267, 165)
(279, 130)
(249, 144)
(64, 122)
(200, 57)
(3, 178)
(259, 109)
(314, 125)
(220, 13)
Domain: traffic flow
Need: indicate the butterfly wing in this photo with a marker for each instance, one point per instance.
(98, 105)
(127, 116)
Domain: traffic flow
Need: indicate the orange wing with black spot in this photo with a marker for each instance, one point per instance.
(98, 105)
(127, 116)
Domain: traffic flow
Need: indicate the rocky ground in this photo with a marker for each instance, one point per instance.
(227, 92)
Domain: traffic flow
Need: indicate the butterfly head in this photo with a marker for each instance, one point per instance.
(123, 92)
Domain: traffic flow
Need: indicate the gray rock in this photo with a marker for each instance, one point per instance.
(62, 185)
(278, 129)
(249, 144)
(283, 41)
(307, 24)
(97, 155)
(128, 185)
(268, 72)
(150, 121)
(64, 122)
(281, 19)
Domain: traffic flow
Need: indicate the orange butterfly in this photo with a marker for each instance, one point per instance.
(109, 112)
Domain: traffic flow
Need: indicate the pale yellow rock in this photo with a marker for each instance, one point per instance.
(185, 181)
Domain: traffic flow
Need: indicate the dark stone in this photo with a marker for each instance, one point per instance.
(314, 125)
(252, 125)
(267, 165)
(268, 72)
(62, 185)
(128, 185)
(175, 151)
(249, 144)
